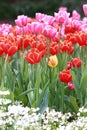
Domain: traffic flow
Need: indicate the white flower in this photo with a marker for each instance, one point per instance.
(4, 101)
(4, 92)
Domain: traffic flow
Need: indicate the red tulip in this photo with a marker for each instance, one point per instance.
(76, 62)
(66, 46)
(54, 48)
(1, 51)
(33, 56)
(1, 48)
(82, 38)
(65, 76)
(10, 49)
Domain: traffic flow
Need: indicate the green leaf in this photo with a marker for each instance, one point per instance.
(42, 102)
(30, 94)
(25, 93)
(83, 88)
(9, 78)
(83, 82)
(19, 80)
(22, 98)
(74, 103)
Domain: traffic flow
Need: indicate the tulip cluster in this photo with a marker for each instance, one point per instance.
(59, 41)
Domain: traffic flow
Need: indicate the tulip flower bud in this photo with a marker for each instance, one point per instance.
(70, 85)
(52, 61)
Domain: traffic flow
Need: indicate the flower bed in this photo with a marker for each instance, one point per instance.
(17, 117)
(43, 61)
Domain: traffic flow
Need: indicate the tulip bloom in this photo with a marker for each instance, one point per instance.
(54, 48)
(85, 9)
(65, 76)
(76, 62)
(52, 61)
(35, 27)
(1, 48)
(22, 20)
(62, 17)
(82, 38)
(9, 49)
(66, 46)
(75, 15)
(69, 65)
(70, 85)
(1, 51)
(50, 31)
(33, 56)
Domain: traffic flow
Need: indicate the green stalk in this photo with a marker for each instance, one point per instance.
(62, 98)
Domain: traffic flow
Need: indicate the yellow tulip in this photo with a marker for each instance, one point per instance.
(52, 61)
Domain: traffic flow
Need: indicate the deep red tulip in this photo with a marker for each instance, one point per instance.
(1, 51)
(82, 38)
(66, 46)
(1, 48)
(76, 62)
(12, 50)
(33, 56)
(65, 76)
(54, 48)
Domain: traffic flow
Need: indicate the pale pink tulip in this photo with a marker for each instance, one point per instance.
(22, 20)
(75, 15)
(62, 17)
(39, 16)
(85, 9)
(62, 8)
(76, 25)
(5, 29)
(50, 31)
(35, 27)
(46, 19)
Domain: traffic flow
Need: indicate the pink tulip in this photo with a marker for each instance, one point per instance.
(50, 31)
(76, 25)
(85, 9)
(56, 37)
(62, 8)
(35, 27)
(5, 29)
(62, 17)
(70, 85)
(75, 15)
(22, 20)
(46, 19)
(84, 27)
(39, 16)
(20, 30)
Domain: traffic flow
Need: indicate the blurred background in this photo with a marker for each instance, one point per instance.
(10, 9)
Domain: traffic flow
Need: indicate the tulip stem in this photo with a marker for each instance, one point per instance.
(62, 97)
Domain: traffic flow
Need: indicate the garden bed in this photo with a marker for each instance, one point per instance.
(43, 72)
